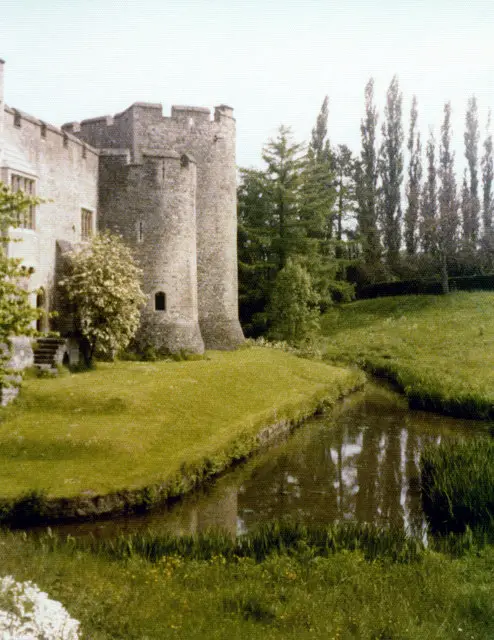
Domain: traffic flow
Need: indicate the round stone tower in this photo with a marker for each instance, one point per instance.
(152, 205)
(212, 143)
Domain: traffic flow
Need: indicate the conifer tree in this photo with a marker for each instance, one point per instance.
(428, 204)
(448, 202)
(391, 172)
(472, 209)
(366, 181)
(284, 159)
(414, 181)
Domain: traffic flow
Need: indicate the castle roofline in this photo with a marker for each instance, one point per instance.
(50, 127)
(182, 107)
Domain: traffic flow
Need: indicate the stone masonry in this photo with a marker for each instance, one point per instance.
(166, 184)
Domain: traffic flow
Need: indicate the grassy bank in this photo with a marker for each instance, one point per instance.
(438, 349)
(148, 430)
(458, 485)
(293, 593)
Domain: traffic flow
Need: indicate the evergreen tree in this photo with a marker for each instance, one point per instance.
(391, 172)
(366, 181)
(428, 205)
(414, 181)
(472, 211)
(448, 203)
(285, 162)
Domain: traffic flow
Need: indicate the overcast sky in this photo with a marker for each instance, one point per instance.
(273, 61)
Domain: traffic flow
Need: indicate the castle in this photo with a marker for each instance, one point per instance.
(167, 185)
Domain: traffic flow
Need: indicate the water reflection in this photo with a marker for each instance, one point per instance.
(361, 464)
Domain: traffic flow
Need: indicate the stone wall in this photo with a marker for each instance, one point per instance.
(65, 171)
(211, 143)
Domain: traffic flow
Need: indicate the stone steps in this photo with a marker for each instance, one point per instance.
(48, 353)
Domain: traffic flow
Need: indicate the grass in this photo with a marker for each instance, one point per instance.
(437, 349)
(129, 425)
(457, 482)
(285, 595)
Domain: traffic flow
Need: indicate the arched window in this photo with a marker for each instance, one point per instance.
(160, 301)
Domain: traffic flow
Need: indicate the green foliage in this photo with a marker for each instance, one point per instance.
(293, 307)
(104, 286)
(16, 313)
(457, 483)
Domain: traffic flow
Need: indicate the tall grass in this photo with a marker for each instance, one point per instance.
(457, 484)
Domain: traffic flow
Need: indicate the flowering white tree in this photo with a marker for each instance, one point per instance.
(29, 614)
(103, 284)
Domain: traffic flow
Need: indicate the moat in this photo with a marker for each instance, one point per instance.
(359, 463)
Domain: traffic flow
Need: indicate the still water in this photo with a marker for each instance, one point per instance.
(360, 463)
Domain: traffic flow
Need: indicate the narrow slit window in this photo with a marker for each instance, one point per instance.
(140, 231)
(86, 224)
(17, 119)
(43, 130)
(160, 301)
(26, 218)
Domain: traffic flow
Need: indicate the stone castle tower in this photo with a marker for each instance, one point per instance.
(168, 186)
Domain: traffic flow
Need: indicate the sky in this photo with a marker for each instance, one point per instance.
(273, 61)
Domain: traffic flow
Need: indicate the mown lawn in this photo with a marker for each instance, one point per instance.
(127, 425)
(341, 596)
(439, 349)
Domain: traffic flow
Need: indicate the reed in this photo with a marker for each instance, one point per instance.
(457, 485)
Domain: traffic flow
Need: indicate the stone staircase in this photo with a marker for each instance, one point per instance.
(48, 353)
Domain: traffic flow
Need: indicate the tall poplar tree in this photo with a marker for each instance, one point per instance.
(391, 172)
(366, 178)
(471, 212)
(428, 205)
(487, 198)
(414, 181)
(448, 202)
(344, 170)
(319, 145)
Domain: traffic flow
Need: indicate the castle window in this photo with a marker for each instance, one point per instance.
(17, 119)
(140, 231)
(65, 141)
(43, 130)
(25, 219)
(160, 301)
(84, 151)
(86, 224)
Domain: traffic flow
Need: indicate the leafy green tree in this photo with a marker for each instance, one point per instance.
(366, 178)
(345, 206)
(293, 307)
(487, 198)
(391, 172)
(257, 261)
(319, 145)
(448, 202)
(103, 284)
(471, 208)
(428, 205)
(414, 183)
(16, 313)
